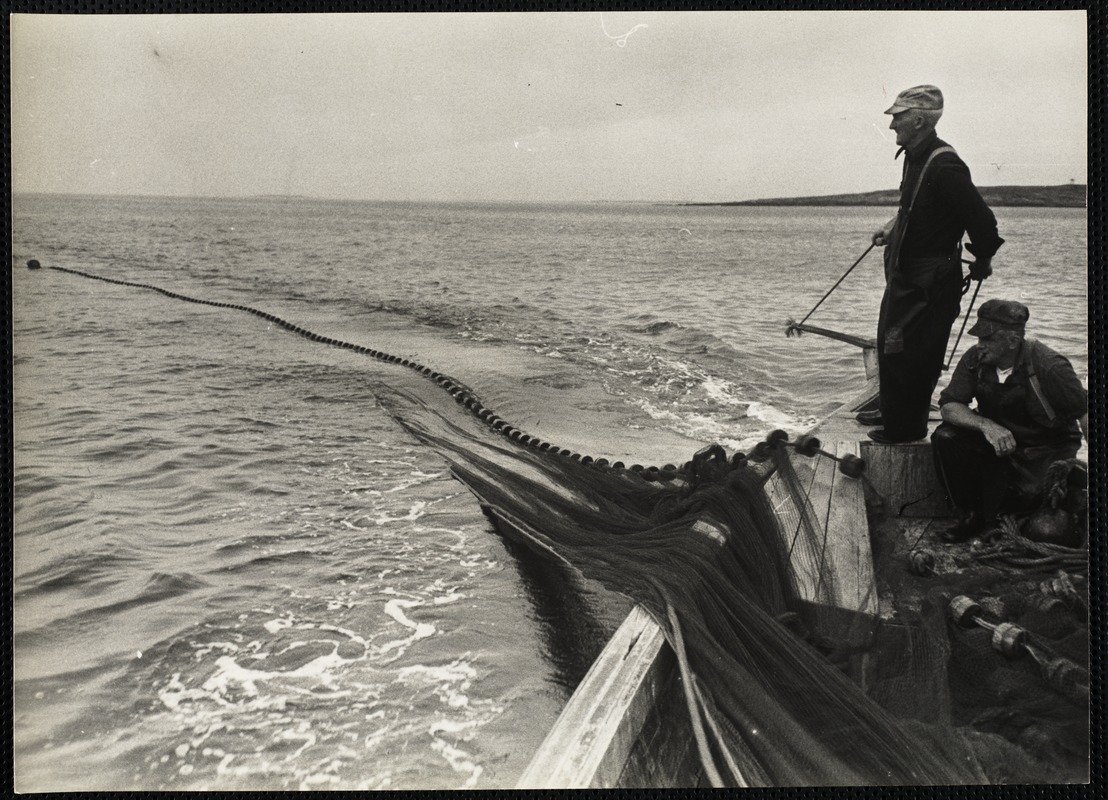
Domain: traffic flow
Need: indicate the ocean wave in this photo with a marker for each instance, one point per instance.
(656, 328)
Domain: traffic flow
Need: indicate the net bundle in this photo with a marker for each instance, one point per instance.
(712, 561)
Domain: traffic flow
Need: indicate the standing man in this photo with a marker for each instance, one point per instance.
(1031, 412)
(923, 272)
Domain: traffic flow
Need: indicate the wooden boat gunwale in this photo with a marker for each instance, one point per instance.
(591, 742)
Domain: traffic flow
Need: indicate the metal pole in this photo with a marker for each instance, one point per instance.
(969, 310)
(836, 286)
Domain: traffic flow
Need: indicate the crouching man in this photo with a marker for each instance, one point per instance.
(1031, 411)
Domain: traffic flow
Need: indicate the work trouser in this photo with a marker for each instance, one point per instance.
(977, 480)
(922, 300)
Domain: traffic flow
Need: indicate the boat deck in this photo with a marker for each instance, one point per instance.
(618, 728)
(623, 726)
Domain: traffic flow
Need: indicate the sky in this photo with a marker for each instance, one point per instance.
(535, 107)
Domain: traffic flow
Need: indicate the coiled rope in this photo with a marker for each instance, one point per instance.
(462, 394)
(1016, 550)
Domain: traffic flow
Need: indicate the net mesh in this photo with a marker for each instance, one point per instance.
(799, 691)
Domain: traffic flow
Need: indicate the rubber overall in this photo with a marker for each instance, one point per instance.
(921, 302)
(973, 476)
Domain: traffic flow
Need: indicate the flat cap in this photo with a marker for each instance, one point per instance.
(926, 97)
(1000, 315)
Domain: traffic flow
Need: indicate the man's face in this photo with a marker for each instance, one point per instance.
(993, 349)
(903, 123)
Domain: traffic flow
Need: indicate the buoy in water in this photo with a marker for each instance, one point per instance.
(33, 264)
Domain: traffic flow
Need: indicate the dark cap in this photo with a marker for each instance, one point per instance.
(926, 97)
(1000, 315)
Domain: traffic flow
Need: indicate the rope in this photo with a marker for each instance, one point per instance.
(690, 700)
(459, 391)
(1015, 550)
(728, 757)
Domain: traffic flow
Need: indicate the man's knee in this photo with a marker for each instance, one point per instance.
(950, 441)
(946, 434)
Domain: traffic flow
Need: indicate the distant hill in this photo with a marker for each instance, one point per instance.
(1068, 195)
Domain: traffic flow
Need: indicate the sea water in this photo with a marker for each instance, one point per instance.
(234, 570)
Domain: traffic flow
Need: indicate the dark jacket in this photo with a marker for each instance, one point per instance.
(946, 207)
(1042, 414)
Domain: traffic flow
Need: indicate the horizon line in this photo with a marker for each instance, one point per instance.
(324, 198)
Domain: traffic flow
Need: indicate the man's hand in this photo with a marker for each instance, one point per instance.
(980, 269)
(997, 435)
(880, 237)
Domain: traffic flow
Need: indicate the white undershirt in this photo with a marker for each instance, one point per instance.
(1002, 374)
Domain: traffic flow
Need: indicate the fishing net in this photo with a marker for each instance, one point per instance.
(788, 684)
(793, 691)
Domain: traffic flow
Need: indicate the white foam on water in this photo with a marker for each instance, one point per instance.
(226, 647)
(418, 478)
(303, 733)
(275, 625)
(449, 726)
(722, 391)
(174, 693)
(416, 511)
(775, 418)
(460, 761)
(475, 562)
(461, 539)
(420, 630)
(451, 681)
(377, 782)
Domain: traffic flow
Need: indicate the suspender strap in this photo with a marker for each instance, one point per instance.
(919, 182)
(903, 224)
(1033, 379)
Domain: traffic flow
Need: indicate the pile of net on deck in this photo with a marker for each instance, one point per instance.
(709, 559)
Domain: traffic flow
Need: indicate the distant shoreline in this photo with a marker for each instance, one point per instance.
(1071, 195)
(1068, 195)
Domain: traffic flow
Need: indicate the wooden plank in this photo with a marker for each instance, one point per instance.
(791, 525)
(839, 509)
(848, 543)
(593, 737)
